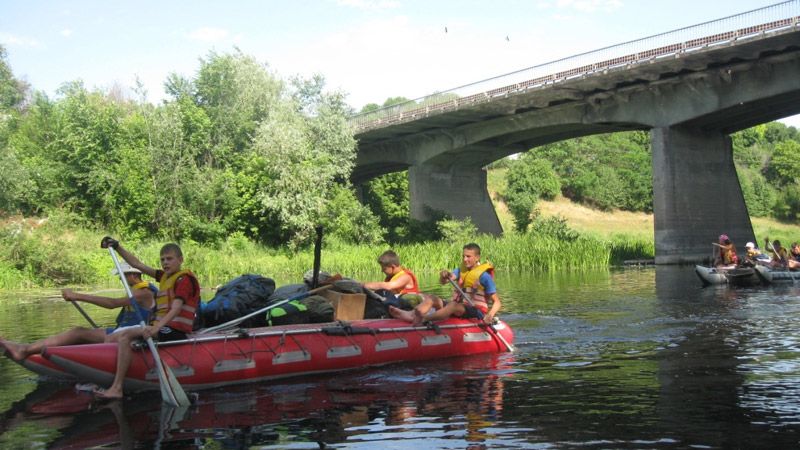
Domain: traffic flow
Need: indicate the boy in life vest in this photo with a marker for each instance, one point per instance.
(144, 294)
(476, 279)
(177, 303)
(399, 287)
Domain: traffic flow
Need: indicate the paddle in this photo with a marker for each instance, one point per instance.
(770, 247)
(171, 391)
(234, 322)
(464, 295)
(83, 313)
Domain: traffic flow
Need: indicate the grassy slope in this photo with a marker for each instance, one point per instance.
(638, 225)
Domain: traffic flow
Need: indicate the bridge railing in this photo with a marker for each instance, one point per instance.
(731, 29)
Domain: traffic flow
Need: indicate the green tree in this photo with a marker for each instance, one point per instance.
(12, 90)
(387, 197)
(784, 167)
(236, 92)
(759, 196)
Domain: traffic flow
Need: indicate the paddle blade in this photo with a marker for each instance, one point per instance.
(172, 392)
(175, 389)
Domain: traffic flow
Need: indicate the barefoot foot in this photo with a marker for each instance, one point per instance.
(400, 314)
(418, 318)
(107, 394)
(14, 350)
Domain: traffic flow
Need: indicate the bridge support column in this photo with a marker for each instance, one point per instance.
(458, 191)
(696, 194)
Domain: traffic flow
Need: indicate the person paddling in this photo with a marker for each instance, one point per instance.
(143, 293)
(780, 257)
(475, 278)
(176, 306)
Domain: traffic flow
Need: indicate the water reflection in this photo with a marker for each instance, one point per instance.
(642, 358)
(433, 405)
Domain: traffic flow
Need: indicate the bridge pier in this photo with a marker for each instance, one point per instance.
(454, 189)
(696, 194)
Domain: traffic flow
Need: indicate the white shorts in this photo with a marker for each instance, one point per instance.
(117, 330)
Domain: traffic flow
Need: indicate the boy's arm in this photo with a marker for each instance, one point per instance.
(496, 305)
(398, 283)
(108, 241)
(105, 302)
(174, 309)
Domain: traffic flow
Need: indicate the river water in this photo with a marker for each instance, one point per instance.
(628, 358)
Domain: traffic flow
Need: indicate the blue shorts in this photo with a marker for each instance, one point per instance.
(394, 300)
(471, 312)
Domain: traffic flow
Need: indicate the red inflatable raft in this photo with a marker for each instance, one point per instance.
(258, 354)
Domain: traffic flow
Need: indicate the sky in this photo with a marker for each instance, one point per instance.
(369, 49)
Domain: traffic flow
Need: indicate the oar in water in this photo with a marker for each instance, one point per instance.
(466, 297)
(171, 391)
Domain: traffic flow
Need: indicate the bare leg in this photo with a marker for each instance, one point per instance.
(450, 309)
(401, 314)
(74, 336)
(428, 302)
(124, 356)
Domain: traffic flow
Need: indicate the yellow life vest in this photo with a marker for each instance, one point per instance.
(184, 321)
(468, 280)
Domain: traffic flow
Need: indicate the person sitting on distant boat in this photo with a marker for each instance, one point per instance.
(751, 256)
(144, 294)
(727, 252)
(794, 256)
(780, 257)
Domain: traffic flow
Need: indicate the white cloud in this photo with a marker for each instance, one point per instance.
(208, 34)
(66, 32)
(369, 4)
(13, 40)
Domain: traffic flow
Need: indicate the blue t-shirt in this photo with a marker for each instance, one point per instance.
(485, 280)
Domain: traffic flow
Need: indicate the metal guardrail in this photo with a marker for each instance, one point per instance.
(773, 18)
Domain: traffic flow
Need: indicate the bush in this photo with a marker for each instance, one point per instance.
(788, 204)
(456, 231)
(759, 196)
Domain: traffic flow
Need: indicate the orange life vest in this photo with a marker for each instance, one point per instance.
(414, 289)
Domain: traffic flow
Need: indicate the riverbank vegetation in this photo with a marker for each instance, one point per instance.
(240, 165)
(57, 252)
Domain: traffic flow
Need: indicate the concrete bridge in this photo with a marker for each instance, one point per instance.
(690, 88)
